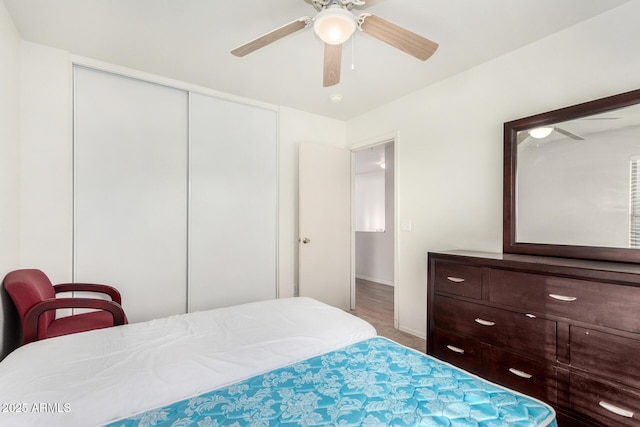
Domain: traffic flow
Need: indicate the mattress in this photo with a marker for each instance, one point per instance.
(375, 382)
(99, 376)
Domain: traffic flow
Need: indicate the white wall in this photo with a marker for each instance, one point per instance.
(368, 201)
(47, 160)
(296, 126)
(450, 138)
(9, 171)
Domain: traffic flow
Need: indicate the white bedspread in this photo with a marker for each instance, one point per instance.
(99, 376)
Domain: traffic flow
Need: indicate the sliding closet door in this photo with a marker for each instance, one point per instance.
(232, 204)
(131, 143)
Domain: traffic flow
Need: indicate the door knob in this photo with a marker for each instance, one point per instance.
(306, 240)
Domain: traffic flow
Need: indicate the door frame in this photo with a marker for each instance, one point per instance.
(393, 137)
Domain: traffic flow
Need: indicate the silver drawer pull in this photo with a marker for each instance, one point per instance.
(520, 373)
(485, 322)
(455, 279)
(562, 297)
(455, 349)
(615, 409)
(530, 316)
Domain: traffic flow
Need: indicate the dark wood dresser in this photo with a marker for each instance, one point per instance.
(565, 331)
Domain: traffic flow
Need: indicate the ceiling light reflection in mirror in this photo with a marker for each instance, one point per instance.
(574, 183)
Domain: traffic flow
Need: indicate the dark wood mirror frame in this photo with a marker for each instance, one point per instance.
(511, 129)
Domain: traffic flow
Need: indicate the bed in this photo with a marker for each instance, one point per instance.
(283, 362)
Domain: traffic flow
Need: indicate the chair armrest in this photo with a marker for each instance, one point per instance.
(89, 287)
(30, 332)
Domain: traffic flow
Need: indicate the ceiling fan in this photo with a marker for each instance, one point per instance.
(545, 131)
(335, 24)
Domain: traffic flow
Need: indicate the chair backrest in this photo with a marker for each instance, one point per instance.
(27, 288)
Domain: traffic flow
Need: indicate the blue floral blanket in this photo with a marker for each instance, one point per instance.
(376, 382)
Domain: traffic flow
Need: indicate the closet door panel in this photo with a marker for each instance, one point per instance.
(232, 203)
(131, 145)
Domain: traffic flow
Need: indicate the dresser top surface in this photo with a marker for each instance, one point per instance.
(599, 270)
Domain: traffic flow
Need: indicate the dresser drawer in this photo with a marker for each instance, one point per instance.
(458, 279)
(609, 404)
(602, 304)
(533, 336)
(458, 350)
(607, 355)
(531, 377)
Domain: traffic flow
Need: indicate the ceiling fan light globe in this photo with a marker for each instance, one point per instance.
(334, 25)
(541, 132)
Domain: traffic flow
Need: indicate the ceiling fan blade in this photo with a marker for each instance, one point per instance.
(332, 64)
(272, 36)
(398, 37)
(569, 134)
(522, 135)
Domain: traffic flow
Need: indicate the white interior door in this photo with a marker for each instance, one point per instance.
(130, 149)
(232, 232)
(325, 224)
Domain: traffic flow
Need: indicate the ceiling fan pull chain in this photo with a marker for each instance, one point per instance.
(353, 54)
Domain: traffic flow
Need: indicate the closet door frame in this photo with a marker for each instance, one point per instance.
(191, 89)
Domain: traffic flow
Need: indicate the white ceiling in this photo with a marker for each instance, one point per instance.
(190, 40)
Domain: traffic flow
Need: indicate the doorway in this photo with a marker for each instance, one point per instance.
(374, 241)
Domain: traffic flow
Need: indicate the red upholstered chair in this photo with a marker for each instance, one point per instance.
(35, 299)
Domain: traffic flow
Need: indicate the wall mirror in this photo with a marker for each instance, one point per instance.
(572, 181)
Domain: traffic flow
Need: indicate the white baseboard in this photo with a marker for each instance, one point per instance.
(412, 332)
(374, 279)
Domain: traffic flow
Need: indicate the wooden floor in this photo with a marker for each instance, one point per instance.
(374, 303)
(374, 300)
